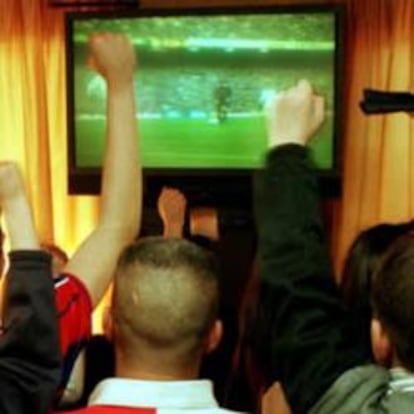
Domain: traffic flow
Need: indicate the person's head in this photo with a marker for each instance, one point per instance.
(59, 257)
(392, 327)
(362, 262)
(163, 316)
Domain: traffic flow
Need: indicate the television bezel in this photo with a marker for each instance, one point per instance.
(220, 187)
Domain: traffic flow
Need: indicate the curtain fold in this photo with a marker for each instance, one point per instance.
(33, 118)
(377, 150)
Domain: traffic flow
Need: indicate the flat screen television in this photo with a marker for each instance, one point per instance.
(203, 78)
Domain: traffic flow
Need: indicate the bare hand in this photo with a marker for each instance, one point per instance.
(112, 56)
(171, 208)
(295, 115)
(204, 222)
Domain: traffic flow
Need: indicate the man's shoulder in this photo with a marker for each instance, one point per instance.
(360, 390)
(70, 290)
(398, 403)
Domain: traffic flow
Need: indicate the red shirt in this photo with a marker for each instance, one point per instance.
(74, 309)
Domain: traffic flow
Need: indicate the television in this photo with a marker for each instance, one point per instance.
(203, 78)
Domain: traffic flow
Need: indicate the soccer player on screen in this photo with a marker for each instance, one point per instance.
(222, 96)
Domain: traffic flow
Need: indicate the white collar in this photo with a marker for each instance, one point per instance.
(196, 394)
(401, 380)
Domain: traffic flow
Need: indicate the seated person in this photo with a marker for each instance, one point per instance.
(84, 278)
(361, 265)
(29, 344)
(325, 366)
(97, 363)
(162, 320)
(203, 229)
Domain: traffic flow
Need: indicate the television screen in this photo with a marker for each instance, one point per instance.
(201, 84)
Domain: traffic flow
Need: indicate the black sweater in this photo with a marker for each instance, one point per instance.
(303, 331)
(29, 347)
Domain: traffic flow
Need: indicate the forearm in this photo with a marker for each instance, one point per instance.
(74, 389)
(288, 216)
(120, 198)
(121, 184)
(173, 232)
(19, 223)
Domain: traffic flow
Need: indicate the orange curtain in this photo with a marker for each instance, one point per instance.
(33, 118)
(378, 150)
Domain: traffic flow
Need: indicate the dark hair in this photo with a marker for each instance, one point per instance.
(362, 262)
(393, 298)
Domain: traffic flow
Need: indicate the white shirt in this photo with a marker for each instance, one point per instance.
(168, 397)
(401, 381)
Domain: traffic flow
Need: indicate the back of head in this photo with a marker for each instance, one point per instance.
(393, 298)
(362, 262)
(165, 299)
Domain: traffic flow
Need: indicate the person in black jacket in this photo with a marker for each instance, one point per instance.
(29, 345)
(324, 365)
(313, 348)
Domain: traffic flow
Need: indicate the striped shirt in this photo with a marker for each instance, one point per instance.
(401, 381)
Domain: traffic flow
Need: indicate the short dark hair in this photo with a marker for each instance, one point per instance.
(166, 294)
(393, 297)
(362, 262)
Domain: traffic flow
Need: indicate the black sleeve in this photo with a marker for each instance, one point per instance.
(29, 348)
(303, 327)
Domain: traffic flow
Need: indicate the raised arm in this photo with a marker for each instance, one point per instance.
(300, 309)
(113, 57)
(171, 207)
(17, 212)
(29, 347)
